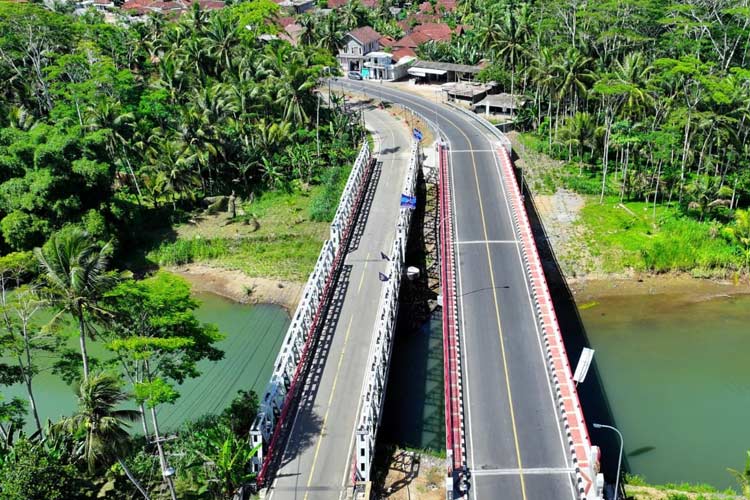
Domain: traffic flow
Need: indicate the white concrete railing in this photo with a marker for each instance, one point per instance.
(589, 481)
(502, 138)
(378, 361)
(274, 402)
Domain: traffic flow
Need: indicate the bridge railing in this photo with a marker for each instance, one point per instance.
(584, 456)
(454, 424)
(294, 355)
(378, 360)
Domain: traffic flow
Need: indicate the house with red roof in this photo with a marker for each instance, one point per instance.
(168, 7)
(357, 43)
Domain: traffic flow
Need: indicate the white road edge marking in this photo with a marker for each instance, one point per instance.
(484, 242)
(514, 472)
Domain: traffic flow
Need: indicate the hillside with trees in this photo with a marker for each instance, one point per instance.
(111, 136)
(646, 102)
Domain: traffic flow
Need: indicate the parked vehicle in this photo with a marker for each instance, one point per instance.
(354, 75)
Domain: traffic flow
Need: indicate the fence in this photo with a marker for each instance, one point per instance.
(293, 358)
(378, 361)
(454, 421)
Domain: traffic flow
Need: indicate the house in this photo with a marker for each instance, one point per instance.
(381, 66)
(295, 6)
(357, 43)
(137, 8)
(435, 32)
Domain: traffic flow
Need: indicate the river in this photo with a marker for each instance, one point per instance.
(675, 371)
(253, 337)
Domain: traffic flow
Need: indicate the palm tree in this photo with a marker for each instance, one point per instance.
(633, 76)
(331, 34)
(221, 38)
(75, 274)
(575, 77)
(352, 13)
(103, 424)
(578, 132)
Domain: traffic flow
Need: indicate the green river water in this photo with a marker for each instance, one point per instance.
(253, 336)
(675, 372)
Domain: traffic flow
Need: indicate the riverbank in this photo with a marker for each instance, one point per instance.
(681, 287)
(609, 238)
(239, 287)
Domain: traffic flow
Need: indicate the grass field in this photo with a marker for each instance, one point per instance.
(633, 235)
(278, 237)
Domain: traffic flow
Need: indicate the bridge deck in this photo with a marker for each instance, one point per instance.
(515, 445)
(317, 460)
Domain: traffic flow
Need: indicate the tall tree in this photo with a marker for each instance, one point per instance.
(74, 272)
(102, 424)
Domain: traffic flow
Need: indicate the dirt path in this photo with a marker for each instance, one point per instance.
(239, 287)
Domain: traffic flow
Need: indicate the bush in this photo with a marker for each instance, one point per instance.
(324, 205)
(22, 231)
(28, 472)
(187, 251)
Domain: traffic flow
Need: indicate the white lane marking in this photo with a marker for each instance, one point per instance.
(475, 151)
(566, 454)
(484, 242)
(462, 330)
(515, 472)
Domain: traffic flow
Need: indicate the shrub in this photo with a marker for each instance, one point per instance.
(187, 251)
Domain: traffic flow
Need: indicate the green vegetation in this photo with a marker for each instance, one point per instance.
(153, 344)
(123, 129)
(279, 236)
(631, 235)
(641, 102)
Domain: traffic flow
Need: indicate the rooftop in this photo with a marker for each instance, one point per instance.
(365, 35)
(506, 101)
(442, 66)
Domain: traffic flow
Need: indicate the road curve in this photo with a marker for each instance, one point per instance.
(514, 438)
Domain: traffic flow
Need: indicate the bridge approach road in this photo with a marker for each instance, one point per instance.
(515, 444)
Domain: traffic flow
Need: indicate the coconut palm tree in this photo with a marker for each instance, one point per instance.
(579, 133)
(103, 425)
(74, 270)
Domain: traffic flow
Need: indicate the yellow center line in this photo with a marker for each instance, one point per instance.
(497, 315)
(362, 279)
(328, 410)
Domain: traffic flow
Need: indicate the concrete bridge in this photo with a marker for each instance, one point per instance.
(514, 425)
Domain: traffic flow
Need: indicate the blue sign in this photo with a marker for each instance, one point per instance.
(408, 201)
(417, 134)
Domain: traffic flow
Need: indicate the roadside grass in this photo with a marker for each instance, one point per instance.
(631, 235)
(637, 488)
(278, 237)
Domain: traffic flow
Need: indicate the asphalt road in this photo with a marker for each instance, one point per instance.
(317, 459)
(515, 446)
